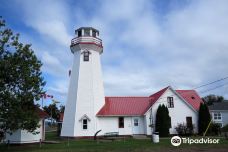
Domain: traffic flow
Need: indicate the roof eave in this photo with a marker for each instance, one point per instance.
(155, 101)
(184, 100)
(120, 115)
(217, 110)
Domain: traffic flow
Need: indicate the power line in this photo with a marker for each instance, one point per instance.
(211, 82)
(184, 93)
(215, 88)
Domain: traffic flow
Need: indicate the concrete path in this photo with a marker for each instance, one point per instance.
(140, 137)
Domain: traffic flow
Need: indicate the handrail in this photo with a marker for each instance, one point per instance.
(84, 39)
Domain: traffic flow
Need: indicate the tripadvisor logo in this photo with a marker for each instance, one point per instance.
(176, 141)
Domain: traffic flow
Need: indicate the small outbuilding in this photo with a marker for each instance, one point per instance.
(23, 136)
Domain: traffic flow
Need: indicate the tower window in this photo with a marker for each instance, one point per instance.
(79, 33)
(86, 32)
(86, 55)
(84, 124)
(121, 122)
(170, 102)
(94, 33)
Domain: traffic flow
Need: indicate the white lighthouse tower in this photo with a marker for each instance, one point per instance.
(86, 92)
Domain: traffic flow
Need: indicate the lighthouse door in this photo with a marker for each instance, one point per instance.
(136, 125)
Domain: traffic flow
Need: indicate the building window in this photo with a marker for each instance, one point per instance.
(136, 122)
(121, 122)
(170, 102)
(86, 32)
(84, 124)
(217, 116)
(86, 56)
(94, 33)
(79, 33)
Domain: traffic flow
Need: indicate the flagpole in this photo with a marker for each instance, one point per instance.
(42, 102)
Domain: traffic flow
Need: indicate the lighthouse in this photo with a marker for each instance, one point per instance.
(86, 91)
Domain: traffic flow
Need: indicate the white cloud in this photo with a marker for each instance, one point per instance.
(54, 29)
(145, 33)
(59, 87)
(120, 10)
(186, 49)
(49, 18)
(52, 65)
(143, 51)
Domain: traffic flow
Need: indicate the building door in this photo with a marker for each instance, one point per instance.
(136, 125)
(189, 122)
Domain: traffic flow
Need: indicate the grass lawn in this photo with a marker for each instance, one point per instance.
(128, 145)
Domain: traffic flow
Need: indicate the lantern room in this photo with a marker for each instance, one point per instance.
(87, 31)
(86, 38)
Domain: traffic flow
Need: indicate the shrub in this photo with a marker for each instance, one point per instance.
(163, 121)
(183, 130)
(214, 129)
(225, 128)
(204, 118)
(1, 135)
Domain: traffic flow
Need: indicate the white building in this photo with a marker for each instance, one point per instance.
(88, 110)
(23, 136)
(219, 113)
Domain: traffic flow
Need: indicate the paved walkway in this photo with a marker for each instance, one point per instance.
(140, 137)
(50, 142)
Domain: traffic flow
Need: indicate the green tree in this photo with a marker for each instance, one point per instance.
(204, 118)
(210, 99)
(62, 108)
(21, 83)
(163, 121)
(53, 111)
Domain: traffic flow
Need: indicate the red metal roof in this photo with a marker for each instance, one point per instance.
(154, 97)
(41, 113)
(128, 106)
(125, 106)
(191, 97)
(61, 117)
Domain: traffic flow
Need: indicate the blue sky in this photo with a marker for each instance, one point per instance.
(148, 45)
